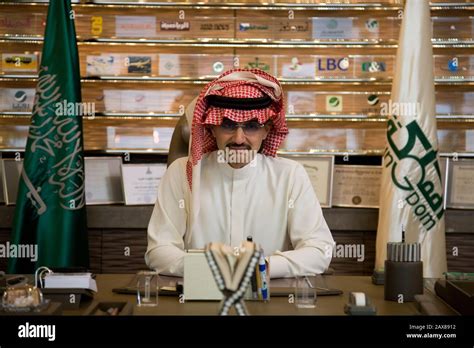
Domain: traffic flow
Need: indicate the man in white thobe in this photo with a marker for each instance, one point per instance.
(233, 186)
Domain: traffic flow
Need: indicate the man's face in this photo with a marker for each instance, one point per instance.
(248, 136)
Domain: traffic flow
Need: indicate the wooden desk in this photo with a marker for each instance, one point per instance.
(326, 305)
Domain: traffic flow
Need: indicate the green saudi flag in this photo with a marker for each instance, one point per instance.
(50, 206)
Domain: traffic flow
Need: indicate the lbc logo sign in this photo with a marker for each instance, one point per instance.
(332, 64)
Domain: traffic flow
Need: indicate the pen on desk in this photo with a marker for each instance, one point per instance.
(262, 267)
(253, 280)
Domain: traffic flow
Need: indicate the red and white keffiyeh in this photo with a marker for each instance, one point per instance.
(237, 83)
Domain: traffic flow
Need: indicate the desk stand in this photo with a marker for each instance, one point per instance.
(233, 297)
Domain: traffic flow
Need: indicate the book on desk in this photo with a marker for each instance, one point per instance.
(69, 288)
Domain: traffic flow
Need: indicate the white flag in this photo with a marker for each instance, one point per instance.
(411, 192)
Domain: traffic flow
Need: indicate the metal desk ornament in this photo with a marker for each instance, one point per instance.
(403, 271)
(232, 269)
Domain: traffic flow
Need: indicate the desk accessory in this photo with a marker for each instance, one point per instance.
(233, 269)
(70, 289)
(359, 304)
(20, 298)
(403, 272)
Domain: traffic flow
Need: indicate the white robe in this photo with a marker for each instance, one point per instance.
(271, 200)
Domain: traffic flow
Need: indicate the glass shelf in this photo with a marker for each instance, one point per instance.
(354, 5)
(232, 28)
(273, 5)
(344, 118)
(194, 81)
(260, 43)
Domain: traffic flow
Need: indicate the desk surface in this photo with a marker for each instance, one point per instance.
(326, 305)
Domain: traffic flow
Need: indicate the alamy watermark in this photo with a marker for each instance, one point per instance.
(411, 109)
(346, 251)
(26, 251)
(232, 156)
(28, 330)
(83, 109)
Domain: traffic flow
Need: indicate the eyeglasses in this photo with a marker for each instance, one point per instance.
(249, 128)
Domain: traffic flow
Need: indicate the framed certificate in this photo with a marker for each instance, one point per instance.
(356, 186)
(320, 171)
(11, 170)
(103, 176)
(460, 183)
(102, 180)
(140, 182)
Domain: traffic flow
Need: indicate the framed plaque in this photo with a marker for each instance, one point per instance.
(103, 65)
(334, 28)
(19, 62)
(103, 176)
(169, 64)
(356, 186)
(17, 99)
(460, 183)
(300, 103)
(11, 170)
(135, 26)
(215, 27)
(140, 182)
(320, 172)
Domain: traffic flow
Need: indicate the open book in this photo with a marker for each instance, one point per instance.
(231, 262)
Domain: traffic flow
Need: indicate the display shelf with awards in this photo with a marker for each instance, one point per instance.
(142, 62)
(162, 65)
(182, 65)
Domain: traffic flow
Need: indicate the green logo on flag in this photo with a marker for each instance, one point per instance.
(410, 165)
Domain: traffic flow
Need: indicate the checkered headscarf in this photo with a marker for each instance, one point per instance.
(237, 83)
